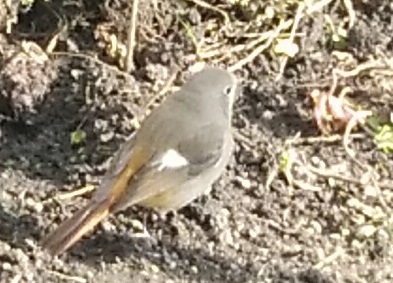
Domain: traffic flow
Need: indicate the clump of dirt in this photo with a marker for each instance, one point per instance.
(25, 81)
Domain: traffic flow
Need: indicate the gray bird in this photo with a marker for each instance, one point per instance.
(180, 149)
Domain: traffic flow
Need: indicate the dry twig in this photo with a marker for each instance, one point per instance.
(75, 193)
(321, 139)
(354, 180)
(298, 16)
(317, 6)
(358, 117)
(351, 13)
(213, 8)
(272, 35)
(331, 258)
(128, 64)
(68, 277)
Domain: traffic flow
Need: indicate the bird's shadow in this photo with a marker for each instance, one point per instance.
(185, 263)
(175, 260)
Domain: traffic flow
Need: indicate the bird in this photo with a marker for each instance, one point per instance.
(180, 149)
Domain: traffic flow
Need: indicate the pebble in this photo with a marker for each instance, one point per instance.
(155, 268)
(268, 115)
(137, 225)
(172, 265)
(108, 226)
(253, 232)
(90, 274)
(244, 183)
(35, 206)
(356, 244)
(318, 162)
(6, 266)
(316, 226)
(383, 235)
(21, 257)
(75, 73)
(29, 276)
(194, 269)
(6, 247)
(226, 237)
(371, 191)
(222, 218)
(366, 231)
(106, 137)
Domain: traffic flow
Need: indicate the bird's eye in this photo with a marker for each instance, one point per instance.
(227, 90)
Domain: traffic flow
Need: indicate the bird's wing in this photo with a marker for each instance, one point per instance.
(191, 156)
(128, 160)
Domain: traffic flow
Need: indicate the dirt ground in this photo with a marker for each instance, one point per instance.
(270, 218)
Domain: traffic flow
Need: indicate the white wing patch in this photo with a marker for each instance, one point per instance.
(172, 159)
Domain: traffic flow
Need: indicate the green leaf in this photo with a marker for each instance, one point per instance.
(384, 138)
(78, 137)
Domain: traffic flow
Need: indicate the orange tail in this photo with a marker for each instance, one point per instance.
(71, 230)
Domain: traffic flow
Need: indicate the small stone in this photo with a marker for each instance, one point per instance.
(315, 160)
(226, 237)
(36, 206)
(365, 178)
(270, 12)
(144, 273)
(383, 235)
(222, 218)
(39, 264)
(254, 232)
(356, 244)
(264, 253)
(225, 212)
(236, 234)
(155, 268)
(6, 266)
(320, 253)
(172, 265)
(107, 226)
(21, 257)
(371, 191)
(345, 232)
(235, 266)
(244, 183)
(76, 73)
(366, 231)
(309, 231)
(137, 225)
(90, 274)
(6, 247)
(29, 276)
(101, 124)
(106, 137)
(268, 115)
(198, 66)
(17, 278)
(194, 269)
(30, 243)
(316, 226)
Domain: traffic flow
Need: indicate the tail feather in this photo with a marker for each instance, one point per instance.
(74, 228)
